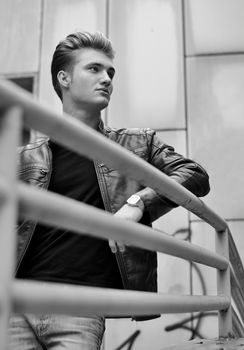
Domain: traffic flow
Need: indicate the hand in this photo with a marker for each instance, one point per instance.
(126, 212)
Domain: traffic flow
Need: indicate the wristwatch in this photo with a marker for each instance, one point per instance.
(135, 201)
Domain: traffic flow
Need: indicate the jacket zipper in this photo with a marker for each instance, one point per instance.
(107, 206)
(26, 245)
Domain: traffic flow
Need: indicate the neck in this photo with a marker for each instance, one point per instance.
(90, 118)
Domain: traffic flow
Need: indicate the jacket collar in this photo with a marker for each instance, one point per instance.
(101, 127)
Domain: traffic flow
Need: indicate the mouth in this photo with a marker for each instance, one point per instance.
(105, 91)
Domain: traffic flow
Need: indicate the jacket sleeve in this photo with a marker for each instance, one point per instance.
(185, 171)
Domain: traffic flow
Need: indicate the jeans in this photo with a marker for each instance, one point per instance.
(55, 332)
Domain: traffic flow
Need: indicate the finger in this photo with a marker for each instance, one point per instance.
(112, 245)
(121, 246)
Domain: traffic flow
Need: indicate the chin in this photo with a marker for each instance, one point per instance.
(103, 104)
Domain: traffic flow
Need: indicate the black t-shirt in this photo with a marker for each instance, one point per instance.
(59, 255)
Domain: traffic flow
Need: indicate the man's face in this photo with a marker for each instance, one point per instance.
(91, 79)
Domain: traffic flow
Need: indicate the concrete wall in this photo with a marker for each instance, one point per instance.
(180, 70)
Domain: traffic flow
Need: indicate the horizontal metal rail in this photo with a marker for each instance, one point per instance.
(59, 298)
(84, 140)
(53, 209)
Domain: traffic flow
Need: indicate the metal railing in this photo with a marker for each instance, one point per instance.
(18, 108)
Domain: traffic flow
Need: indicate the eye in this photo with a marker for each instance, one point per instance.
(94, 69)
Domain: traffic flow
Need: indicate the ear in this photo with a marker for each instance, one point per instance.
(64, 78)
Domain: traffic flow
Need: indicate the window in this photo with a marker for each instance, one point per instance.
(26, 83)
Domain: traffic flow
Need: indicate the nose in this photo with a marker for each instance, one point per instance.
(105, 79)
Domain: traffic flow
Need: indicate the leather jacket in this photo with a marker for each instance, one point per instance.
(138, 267)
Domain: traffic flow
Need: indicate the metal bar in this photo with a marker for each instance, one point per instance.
(84, 140)
(237, 294)
(9, 139)
(223, 286)
(238, 329)
(54, 298)
(236, 261)
(4, 189)
(56, 210)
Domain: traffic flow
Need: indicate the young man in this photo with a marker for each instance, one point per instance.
(82, 74)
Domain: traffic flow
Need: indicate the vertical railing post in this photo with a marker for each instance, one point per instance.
(10, 121)
(223, 286)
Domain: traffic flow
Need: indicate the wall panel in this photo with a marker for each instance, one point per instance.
(149, 80)
(216, 127)
(214, 26)
(19, 35)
